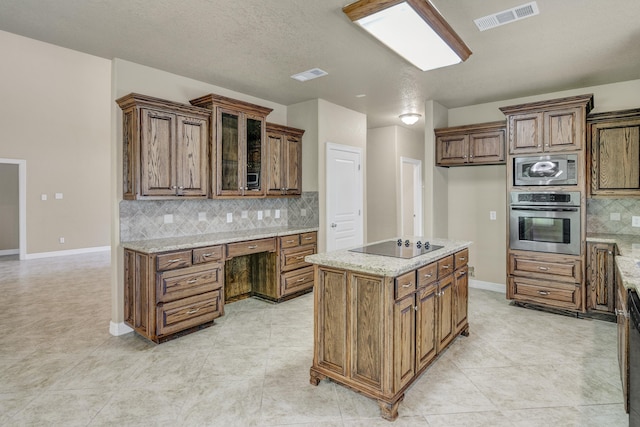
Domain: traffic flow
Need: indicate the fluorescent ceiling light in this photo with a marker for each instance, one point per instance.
(412, 28)
(409, 118)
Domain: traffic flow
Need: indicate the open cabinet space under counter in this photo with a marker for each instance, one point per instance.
(380, 320)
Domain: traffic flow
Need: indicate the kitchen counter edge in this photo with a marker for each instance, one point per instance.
(167, 244)
(378, 265)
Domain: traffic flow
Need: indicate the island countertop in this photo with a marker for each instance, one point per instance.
(384, 265)
(211, 239)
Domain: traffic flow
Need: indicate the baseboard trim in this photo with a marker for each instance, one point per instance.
(5, 252)
(117, 329)
(488, 286)
(67, 252)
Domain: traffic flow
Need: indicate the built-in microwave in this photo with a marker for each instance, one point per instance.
(546, 170)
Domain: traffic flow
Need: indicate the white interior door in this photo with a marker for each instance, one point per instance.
(345, 226)
(410, 197)
(22, 204)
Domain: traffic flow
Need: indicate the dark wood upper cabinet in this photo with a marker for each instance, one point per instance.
(478, 144)
(284, 160)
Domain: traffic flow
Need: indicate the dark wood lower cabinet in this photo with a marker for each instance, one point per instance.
(601, 280)
(377, 334)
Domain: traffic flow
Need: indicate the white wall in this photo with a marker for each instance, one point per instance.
(55, 115)
(304, 115)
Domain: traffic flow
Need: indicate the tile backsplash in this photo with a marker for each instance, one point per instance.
(152, 219)
(599, 215)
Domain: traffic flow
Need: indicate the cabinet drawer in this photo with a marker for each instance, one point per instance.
(188, 312)
(427, 274)
(251, 247)
(559, 268)
(173, 260)
(405, 284)
(173, 285)
(445, 266)
(294, 258)
(297, 280)
(308, 238)
(557, 294)
(208, 254)
(289, 241)
(461, 258)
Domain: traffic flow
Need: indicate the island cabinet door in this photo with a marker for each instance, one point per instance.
(330, 300)
(445, 312)
(404, 365)
(367, 328)
(426, 340)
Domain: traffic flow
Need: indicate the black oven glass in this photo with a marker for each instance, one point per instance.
(551, 230)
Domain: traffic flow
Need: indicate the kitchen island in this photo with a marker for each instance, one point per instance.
(380, 321)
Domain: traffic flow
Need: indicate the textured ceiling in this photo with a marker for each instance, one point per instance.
(253, 46)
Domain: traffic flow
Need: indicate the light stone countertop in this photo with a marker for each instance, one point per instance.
(189, 242)
(628, 257)
(383, 265)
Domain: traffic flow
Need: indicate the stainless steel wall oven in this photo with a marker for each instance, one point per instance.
(545, 222)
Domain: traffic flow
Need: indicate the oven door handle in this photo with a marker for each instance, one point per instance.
(545, 209)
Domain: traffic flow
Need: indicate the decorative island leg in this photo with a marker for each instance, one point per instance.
(389, 411)
(315, 377)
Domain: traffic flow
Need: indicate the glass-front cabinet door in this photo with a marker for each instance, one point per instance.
(239, 160)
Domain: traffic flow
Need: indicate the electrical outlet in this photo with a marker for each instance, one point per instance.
(168, 219)
(472, 271)
(229, 217)
(58, 196)
(614, 216)
(277, 213)
(635, 221)
(61, 240)
(43, 197)
(492, 215)
(259, 215)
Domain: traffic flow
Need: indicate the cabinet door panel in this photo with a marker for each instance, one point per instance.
(564, 130)
(293, 176)
(367, 316)
(331, 321)
(426, 344)
(158, 154)
(228, 153)
(486, 147)
(445, 312)
(404, 342)
(193, 176)
(452, 149)
(601, 274)
(618, 156)
(461, 289)
(525, 133)
(275, 147)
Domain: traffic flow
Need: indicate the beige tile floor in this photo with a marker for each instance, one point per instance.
(59, 366)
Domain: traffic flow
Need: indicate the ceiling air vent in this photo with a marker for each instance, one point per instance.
(313, 73)
(510, 15)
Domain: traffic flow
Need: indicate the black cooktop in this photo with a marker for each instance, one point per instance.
(398, 248)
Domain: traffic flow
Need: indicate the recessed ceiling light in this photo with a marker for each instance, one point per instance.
(311, 74)
(362, 95)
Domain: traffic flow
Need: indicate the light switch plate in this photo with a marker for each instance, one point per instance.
(635, 221)
(43, 197)
(492, 215)
(229, 217)
(58, 196)
(277, 213)
(259, 215)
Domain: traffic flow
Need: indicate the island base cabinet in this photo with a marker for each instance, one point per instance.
(377, 334)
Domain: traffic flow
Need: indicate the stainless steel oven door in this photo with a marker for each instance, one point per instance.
(545, 229)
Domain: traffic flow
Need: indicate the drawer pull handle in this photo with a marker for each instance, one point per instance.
(544, 293)
(193, 311)
(462, 258)
(406, 285)
(301, 280)
(290, 241)
(446, 266)
(308, 238)
(171, 261)
(428, 276)
(252, 246)
(543, 268)
(300, 257)
(192, 281)
(206, 255)
(462, 274)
